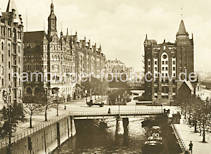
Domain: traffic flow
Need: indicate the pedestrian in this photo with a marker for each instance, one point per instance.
(191, 147)
(109, 110)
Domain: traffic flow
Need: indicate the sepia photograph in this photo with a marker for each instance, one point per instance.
(105, 77)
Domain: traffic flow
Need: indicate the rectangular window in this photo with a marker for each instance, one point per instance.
(2, 46)
(162, 62)
(19, 60)
(149, 62)
(174, 68)
(9, 49)
(2, 30)
(19, 49)
(9, 32)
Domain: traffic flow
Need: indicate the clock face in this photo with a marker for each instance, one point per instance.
(164, 56)
(52, 25)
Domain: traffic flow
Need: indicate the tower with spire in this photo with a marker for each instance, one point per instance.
(167, 59)
(185, 50)
(52, 21)
(59, 54)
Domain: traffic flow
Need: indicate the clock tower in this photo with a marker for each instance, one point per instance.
(52, 22)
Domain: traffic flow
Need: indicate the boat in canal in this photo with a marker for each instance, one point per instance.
(154, 142)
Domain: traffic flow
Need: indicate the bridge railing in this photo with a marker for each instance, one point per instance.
(105, 113)
(179, 139)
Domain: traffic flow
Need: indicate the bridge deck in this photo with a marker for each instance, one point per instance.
(96, 115)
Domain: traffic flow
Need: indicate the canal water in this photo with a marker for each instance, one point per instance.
(93, 140)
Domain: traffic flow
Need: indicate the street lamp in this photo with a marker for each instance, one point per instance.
(90, 95)
(46, 101)
(119, 101)
(86, 95)
(56, 91)
(7, 100)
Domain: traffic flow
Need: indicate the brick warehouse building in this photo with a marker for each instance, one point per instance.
(167, 59)
(11, 53)
(56, 54)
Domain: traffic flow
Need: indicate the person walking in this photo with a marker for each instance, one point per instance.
(109, 110)
(191, 147)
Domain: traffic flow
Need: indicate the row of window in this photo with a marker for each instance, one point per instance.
(14, 61)
(57, 57)
(165, 90)
(33, 67)
(165, 74)
(10, 33)
(163, 62)
(9, 78)
(9, 48)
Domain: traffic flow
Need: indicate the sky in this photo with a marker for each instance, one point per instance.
(120, 26)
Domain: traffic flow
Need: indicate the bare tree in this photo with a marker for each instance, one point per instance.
(30, 109)
(201, 115)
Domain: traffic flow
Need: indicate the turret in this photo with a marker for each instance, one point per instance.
(185, 50)
(182, 33)
(99, 49)
(145, 41)
(11, 7)
(67, 36)
(52, 21)
(12, 11)
(61, 34)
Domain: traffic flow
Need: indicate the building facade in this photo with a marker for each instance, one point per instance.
(35, 65)
(117, 67)
(11, 53)
(58, 61)
(165, 63)
(89, 58)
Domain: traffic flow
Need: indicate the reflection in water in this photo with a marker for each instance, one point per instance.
(106, 141)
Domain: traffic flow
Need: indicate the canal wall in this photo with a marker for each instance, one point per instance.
(182, 145)
(45, 140)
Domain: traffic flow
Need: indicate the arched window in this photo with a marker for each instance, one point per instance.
(9, 49)
(38, 91)
(2, 46)
(164, 65)
(28, 91)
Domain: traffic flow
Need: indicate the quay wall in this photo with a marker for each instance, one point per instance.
(46, 139)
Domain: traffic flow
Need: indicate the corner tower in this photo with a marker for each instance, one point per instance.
(185, 50)
(52, 22)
